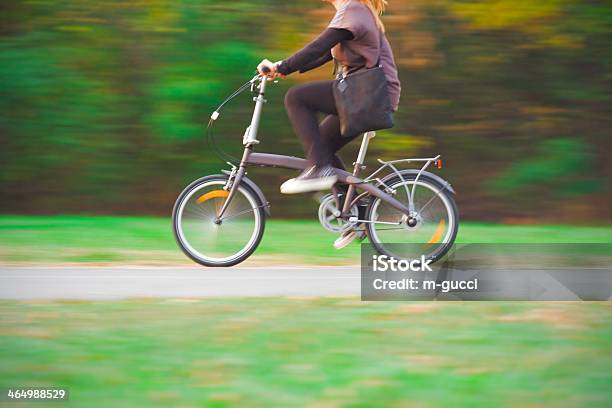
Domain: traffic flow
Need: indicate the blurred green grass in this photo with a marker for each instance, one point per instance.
(310, 352)
(149, 240)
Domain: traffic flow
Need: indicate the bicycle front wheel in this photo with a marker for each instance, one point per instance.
(212, 242)
(430, 233)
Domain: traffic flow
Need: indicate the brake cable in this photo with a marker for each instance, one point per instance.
(211, 141)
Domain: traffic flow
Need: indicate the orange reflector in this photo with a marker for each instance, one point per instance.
(439, 164)
(212, 194)
(438, 234)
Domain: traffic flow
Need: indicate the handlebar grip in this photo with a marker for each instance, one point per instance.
(265, 70)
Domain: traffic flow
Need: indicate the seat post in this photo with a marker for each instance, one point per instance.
(364, 147)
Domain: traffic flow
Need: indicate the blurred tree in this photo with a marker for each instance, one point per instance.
(104, 103)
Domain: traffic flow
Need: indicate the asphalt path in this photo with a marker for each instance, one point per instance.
(105, 283)
(92, 283)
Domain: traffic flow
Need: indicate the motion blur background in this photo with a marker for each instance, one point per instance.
(104, 103)
(103, 106)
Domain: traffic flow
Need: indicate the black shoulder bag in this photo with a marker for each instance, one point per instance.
(362, 100)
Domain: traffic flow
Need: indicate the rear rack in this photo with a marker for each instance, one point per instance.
(392, 165)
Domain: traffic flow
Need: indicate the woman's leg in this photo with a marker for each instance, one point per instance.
(329, 129)
(330, 133)
(303, 103)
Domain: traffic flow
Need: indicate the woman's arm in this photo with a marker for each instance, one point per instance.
(316, 53)
(317, 63)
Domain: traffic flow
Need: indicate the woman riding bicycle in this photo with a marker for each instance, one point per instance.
(353, 39)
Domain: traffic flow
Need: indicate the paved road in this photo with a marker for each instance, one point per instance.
(90, 283)
(129, 282)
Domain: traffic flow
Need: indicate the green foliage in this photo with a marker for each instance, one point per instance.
(103, 104)
(557, 168)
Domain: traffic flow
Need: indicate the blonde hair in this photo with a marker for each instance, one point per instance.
(377, 7)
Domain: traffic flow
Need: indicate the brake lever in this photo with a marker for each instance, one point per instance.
(254, 81)
(260, 78)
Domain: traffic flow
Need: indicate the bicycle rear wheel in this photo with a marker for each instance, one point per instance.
(436, 215)
(230, 240)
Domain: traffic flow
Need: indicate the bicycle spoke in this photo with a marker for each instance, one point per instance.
(430, 200)
(228, 217)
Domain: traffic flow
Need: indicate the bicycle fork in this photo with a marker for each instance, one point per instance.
(233, 182)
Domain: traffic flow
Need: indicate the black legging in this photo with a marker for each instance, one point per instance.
(321, 140)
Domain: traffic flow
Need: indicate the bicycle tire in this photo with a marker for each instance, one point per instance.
(241, 256)
(442, 189)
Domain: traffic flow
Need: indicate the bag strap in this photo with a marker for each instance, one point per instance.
(380, 46)
(338, 70)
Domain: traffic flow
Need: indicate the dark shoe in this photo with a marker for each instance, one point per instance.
(311, 179)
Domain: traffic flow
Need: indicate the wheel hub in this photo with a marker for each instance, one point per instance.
(411, 221)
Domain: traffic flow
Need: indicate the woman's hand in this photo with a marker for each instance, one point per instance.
(267, 67)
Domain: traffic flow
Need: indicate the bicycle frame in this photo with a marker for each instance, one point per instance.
(249, 157)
